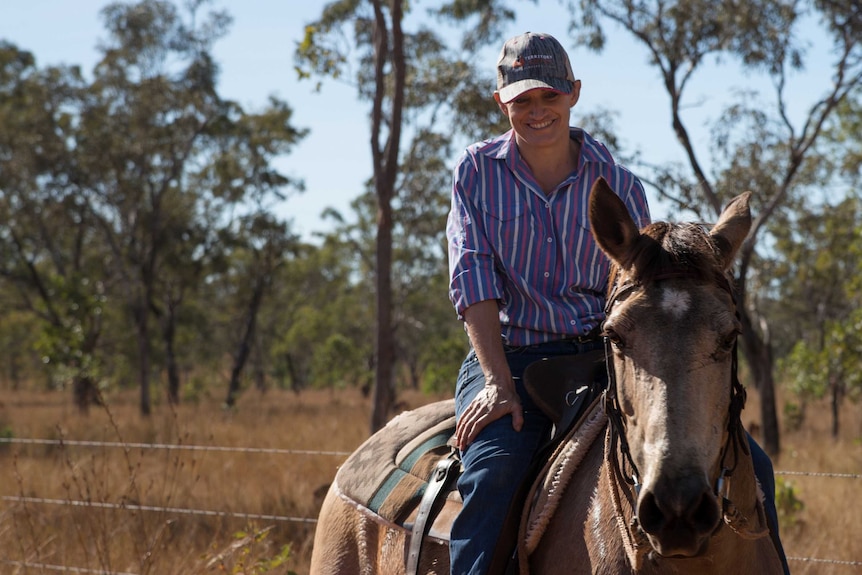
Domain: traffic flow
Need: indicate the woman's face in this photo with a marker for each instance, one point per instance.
(540, 117)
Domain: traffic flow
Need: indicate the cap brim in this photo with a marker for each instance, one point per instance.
(512, 91)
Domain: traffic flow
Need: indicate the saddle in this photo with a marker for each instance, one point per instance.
(406, 474)
(563, 386)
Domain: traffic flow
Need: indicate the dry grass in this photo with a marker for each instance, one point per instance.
(282, 485)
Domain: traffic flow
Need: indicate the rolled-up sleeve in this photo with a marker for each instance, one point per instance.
(636, 202)
(472, 276)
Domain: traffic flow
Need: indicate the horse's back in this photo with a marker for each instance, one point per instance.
(365, 522)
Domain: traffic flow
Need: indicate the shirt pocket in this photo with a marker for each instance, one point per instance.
(507, 225)
(503, 212)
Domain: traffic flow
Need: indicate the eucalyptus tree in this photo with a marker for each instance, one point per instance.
(401, 64)
(152, 98)
(239, 170)
(49, 256)
(818, 256)
(162, 152)
(316, 322)
(679, 37)
(258, 254)
(820, 261)
(423, 321)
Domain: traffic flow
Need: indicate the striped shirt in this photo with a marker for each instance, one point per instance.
(533, 253)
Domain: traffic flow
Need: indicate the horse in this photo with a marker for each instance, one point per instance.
(657, 475)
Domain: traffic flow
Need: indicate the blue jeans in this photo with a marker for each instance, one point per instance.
(765, 474)
(498, 460)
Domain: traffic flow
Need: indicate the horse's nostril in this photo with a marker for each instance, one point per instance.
(698, 513)
(705, 516)
(650, 515)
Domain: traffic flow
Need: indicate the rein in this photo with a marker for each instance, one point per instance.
(634, 537)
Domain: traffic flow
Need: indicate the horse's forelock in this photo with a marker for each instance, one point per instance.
(665, 249)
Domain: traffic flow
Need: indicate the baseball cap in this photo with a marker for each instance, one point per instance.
(533, 60)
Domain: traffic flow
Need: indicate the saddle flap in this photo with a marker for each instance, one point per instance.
(387, 474)
(559, 384)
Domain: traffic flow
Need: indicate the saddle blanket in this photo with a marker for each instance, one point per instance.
(389, 472)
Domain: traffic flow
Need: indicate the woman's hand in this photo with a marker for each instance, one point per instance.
(490, 404)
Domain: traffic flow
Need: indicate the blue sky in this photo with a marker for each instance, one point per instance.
(256, 59)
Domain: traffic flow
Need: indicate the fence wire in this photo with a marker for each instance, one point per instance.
(170, 446)
(61, 568)
(279, 451)
(261, 450)
(154, 508)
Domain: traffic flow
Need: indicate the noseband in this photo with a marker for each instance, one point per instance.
(636, 538)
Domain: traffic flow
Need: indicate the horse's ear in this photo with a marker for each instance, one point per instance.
(732, 228)
(613, 227)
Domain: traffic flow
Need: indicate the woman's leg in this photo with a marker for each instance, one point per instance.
(766, 476)
(494, 465)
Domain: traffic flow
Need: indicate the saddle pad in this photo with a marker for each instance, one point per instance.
(552, 482)
(388, 473)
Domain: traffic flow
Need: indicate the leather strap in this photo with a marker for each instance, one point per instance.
(432, 499)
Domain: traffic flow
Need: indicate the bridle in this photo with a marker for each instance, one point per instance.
(623, 467)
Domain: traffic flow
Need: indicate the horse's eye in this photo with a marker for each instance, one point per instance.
(727, 342)
(730, 340)
(614, 338)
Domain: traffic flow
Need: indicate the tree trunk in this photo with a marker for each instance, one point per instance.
(169, 333)
(296, 374)
(385, 158)
(141, 319)
(383, 386)
(259, 368)
(835, 388)
(85, 393)
(245, 342)
(759, 355)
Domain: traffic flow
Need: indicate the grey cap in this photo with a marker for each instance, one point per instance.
(533, 60)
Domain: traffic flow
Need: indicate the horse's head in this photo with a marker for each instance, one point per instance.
(672, 326)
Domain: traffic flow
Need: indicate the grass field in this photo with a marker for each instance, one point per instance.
(139, 526)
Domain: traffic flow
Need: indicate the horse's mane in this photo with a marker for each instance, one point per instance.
(666, 249)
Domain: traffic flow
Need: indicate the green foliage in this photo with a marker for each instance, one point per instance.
(196, 389)
(245, 555)
(6, 432)
(688, 30)
(132, 198)
(788, 503)
(442, 359)
(811, 371)
(337, 362)
(803, 371)
(19, 361)
(794, 415)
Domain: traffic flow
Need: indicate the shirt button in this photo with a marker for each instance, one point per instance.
(548, 206)
(547, 274)
(572, 322)
(550, 240)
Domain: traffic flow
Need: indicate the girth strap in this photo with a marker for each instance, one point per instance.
(446, 471)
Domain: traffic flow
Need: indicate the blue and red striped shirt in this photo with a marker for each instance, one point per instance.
(533, 253)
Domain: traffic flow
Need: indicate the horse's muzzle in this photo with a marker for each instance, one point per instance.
(678, 516)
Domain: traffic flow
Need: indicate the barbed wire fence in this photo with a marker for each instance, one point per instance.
(278, 518)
